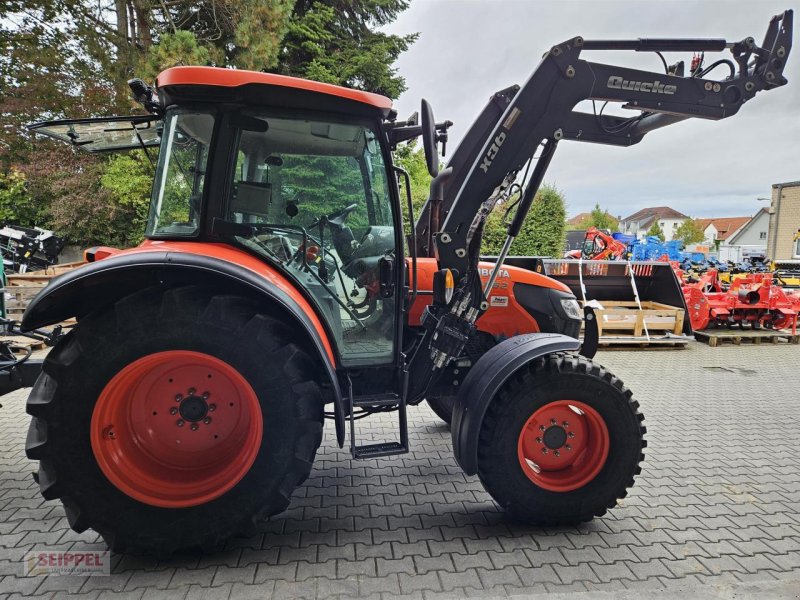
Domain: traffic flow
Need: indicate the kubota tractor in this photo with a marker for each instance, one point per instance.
(275, 290)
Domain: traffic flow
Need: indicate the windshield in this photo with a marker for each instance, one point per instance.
(312, 195)
(181, 172)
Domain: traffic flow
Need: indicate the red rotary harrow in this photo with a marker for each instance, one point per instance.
(753, 300)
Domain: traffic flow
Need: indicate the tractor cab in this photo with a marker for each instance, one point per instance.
(296, 173)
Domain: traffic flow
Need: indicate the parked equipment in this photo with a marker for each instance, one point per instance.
(188, 402)
(28, 248)
(599, 245)
(753, 300)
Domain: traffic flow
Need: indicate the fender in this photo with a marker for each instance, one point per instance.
(98, 284)
(484, 380)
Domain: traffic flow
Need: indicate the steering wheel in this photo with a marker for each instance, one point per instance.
(338, 217)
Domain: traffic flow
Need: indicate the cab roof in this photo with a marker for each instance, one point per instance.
(183, 78)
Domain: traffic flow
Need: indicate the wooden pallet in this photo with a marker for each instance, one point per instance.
(41, 277)
(22, 342)
(641, 341)
(716, 337)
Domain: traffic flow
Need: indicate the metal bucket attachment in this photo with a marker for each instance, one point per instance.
(611, 281)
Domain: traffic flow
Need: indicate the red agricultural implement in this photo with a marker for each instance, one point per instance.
(754, 300)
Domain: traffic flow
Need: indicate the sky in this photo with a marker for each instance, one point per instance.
(469, 49)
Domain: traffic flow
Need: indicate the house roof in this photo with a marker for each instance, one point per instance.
(725, 226)
(579, 218)
(747, 225)
(647, 215)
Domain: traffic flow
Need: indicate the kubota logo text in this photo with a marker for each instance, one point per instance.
(492, 151)
(615, 82)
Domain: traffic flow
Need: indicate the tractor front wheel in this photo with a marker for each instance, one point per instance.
(561, 442)
(174, 420)
(443, 407)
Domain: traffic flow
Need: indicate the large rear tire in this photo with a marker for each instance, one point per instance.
(561, 442)
(175, 419)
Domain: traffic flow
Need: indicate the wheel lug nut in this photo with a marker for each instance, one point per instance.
(212, 407)
(541, 427)
(571, 434)
(568, 447)
(552, 421)
(207, 420)
(179, 422)
(178, 398)
(194, 426)
(206, 395)
(544, 450)
(565, 424)
(173, 411)
(191, 391)
(538, 440)
(557, 453)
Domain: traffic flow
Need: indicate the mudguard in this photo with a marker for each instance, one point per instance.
(93, 286)
(486, 377)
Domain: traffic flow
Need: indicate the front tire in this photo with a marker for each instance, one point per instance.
(561, 442)
(442, 406)
(174, 420)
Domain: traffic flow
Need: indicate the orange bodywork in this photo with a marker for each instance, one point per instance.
(237, 77)
(243, 259)
(505, 316)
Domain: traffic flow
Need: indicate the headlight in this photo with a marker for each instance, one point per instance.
(572, 308)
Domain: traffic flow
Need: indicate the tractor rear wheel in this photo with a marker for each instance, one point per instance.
(174, 420)
(561, 442)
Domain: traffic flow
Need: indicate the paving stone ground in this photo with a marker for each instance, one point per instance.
(714, 512)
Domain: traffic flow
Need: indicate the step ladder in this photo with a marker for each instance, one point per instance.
(383, 401)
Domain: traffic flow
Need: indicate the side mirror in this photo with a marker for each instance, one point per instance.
(429, 138)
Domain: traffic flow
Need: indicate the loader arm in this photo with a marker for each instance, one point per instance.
(497, 157)
(517, 121)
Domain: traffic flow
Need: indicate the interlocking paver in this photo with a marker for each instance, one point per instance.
(714, 506)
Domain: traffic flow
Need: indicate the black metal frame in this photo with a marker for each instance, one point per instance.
(517, 121)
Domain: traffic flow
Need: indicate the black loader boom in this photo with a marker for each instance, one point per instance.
(509, 147)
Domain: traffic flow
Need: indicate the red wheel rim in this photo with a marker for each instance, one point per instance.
(563, 445)
(176, 429)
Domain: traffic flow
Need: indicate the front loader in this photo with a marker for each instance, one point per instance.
(274, 290)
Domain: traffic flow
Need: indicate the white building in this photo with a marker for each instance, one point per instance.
(640, 222)
(738, 237)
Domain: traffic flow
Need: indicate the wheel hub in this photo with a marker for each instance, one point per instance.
(193, 408)
(555, 437)
(563, 445)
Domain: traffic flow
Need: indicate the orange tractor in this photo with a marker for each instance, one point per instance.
(274, 291)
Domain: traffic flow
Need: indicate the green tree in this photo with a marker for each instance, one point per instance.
(656, 231)
(542, 232)
(601, 219)
(690, 232)
(17, 205)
